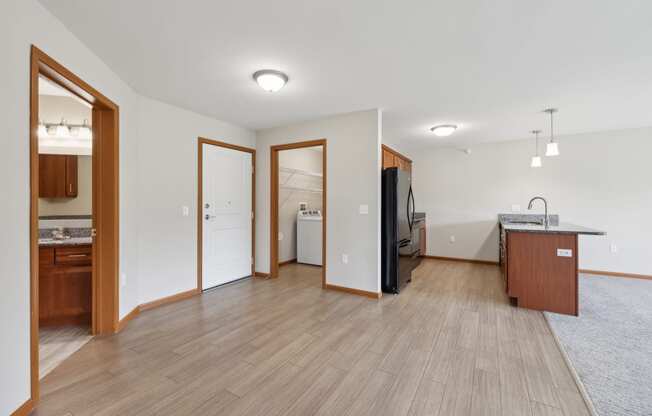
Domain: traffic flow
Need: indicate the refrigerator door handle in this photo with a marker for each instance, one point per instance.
(409, 213)
(413, 205)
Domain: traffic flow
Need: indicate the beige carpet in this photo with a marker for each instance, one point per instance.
(610, 343)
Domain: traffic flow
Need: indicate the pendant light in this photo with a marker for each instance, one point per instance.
(552, 149)
(536, 159)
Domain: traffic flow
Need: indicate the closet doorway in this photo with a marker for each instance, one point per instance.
(298, 205)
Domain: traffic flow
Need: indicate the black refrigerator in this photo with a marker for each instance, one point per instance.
(399, 246)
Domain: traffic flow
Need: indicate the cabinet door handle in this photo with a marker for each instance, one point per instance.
(77, 255)
(70, 188)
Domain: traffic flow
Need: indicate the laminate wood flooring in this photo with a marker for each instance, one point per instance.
(449, 344)
(56, 344)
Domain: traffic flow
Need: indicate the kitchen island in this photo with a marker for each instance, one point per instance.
(539, 263)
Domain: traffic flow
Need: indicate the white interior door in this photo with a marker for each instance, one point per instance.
(227, 213)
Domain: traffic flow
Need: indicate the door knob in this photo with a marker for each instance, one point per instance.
(207, 205)
(208, 216)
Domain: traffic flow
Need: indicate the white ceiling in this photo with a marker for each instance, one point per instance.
(490, 66)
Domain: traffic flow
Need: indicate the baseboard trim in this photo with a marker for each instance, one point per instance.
(127, 318)
(616, 274)
(169, 299)
(24, 409)
(283, 263)
(571, 368)
(154, 304)
(261, 275)
(372, 295)
(476, 261)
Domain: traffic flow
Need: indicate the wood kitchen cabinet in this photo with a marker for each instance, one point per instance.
(58, 176)
(392, 158)
(65, 284)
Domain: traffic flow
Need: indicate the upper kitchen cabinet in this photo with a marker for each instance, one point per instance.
(58, 176)
(392, 158)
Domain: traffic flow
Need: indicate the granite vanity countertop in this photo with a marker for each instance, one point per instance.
(561, 228)
(73, 241)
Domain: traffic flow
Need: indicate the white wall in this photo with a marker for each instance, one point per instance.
(600, 180)
(22, 23)
(167, 173)
(353, 178)
(169, 166)
(307, 159)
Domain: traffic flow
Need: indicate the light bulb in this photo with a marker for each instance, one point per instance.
(536, 162)
(444, 130)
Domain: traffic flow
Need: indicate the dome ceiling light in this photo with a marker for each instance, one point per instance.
(270, 80)
(444, 130)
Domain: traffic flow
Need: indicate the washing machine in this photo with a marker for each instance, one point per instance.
(309, 241)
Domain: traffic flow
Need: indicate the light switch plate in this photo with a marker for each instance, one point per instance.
(185, 211)
(564, 252)
(364, 209)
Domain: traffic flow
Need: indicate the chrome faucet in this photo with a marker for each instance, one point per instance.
(545, 206)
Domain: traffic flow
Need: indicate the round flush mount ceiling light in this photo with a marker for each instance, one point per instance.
(444, 130)
(270, 80)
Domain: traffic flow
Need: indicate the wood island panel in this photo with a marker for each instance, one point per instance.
(537, 277)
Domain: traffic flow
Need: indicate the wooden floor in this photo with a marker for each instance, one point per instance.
(450, 344)
(56, 344)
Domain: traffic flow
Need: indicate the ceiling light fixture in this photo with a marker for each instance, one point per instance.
(85, 131)
(444, 130)
(536, 159)
(552, 149)
(42, 130)
(270, 80)
(62, 130)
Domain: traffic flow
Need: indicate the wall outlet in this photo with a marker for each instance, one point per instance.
(364, 209)
(516, 208)
(345, 258)
(123, 279)
(613, 248)
(451, 239)
(185, 211)
(564, 252)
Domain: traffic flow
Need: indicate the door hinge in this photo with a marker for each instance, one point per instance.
(252, 215)
(93, 232)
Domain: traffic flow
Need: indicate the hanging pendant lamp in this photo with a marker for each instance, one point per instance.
(536, 159)
(552, 149)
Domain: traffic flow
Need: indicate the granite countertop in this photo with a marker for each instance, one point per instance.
(561, 228)
(533, 223)
(73, 241)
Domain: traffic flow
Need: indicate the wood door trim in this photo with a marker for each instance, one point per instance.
(395, 153)
(274, 168)
(105, 202)
(200, 201)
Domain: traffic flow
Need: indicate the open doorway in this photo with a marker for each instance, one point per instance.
(74, 187)
(298, 211)
(65, 224)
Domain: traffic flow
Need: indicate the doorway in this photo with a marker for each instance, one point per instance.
(65, 224)
(225, 213)
(298, 205)
(93, 265)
